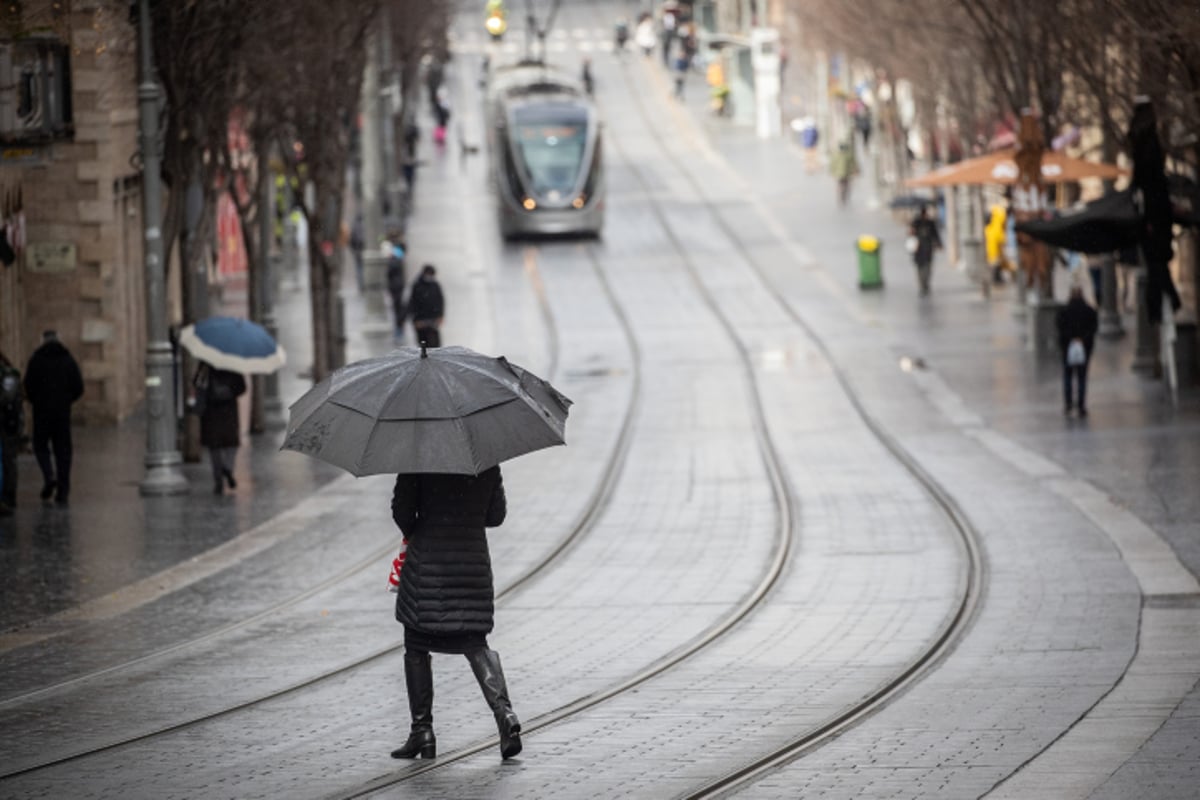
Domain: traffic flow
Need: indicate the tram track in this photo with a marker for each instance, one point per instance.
(968, 537)
(584, 522)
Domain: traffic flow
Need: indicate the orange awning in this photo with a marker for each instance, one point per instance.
(999, 167)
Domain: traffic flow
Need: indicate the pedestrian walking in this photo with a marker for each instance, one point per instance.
(844, 168)
(357, 244)
(12, 427)
(589, 83)
(52, 383)
(426, 307)
(681, 72)
(1077, 323)
(396, 283)
(645, 35)
(924, 241)
(445, 598)
(217, 391)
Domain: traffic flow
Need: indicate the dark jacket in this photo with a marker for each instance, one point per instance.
(928, 239)
(425, 301)
(219, 423)
(52, 380)
(446, 583)
(395, 275)
(1077, 320)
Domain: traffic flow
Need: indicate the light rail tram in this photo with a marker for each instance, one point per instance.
(545, 149)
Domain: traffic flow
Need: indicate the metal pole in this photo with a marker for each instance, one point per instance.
(267, 386)
(163, 474)
(373, 182)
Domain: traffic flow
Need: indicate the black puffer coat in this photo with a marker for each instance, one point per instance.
(446, 584)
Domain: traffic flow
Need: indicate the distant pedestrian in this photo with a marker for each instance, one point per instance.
(445, 598)
(396, 283)
(1077, 323)
(810, 137)
(589, 83)
(681, 71)
(645, 36)
(52, 383)
(12, 427)
(1096, 263)
(927, 240)
(426, 307)
(844, 168)
(357, 244)
(217, 391)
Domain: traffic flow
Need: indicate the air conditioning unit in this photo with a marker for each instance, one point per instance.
(35, 91)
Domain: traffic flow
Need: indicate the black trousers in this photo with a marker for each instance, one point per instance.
(53, 431)
(1076, 374)
(8, 462)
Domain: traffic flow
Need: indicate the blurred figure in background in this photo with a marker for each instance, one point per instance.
(427, 307)
(52, 383)
(1077, 323)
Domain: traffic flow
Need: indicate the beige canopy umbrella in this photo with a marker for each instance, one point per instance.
(1001, 167)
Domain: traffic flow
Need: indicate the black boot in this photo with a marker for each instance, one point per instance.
(485, 664)
(418, 678)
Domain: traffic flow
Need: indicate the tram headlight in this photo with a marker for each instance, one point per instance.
(496, 25)
(578, 201)
(529, 204)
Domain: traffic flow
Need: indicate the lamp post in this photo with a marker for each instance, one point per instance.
(163, 474)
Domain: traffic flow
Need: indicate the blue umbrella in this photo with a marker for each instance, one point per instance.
(234, 344)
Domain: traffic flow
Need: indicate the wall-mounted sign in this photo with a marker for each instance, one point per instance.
(50, 257)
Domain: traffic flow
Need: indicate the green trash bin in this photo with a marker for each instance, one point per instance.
(870, 267)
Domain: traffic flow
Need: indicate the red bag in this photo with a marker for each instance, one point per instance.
(397, 565)
(439, 134)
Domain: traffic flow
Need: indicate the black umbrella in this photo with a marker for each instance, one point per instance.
(1101, 226)
(448, 410)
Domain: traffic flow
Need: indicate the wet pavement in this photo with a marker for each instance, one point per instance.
(745, 450)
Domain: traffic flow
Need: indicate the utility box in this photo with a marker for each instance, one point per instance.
(870, 264)
(764, 57)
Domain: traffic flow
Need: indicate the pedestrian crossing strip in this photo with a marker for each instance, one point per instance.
(575, 40)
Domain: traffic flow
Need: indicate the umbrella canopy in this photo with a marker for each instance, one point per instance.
(234, 344)
(445, 410)
(1105, 225)
(1001, 167)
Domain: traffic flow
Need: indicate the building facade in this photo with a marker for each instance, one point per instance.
(70, 186)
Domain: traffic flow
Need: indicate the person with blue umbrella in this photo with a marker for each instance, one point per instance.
(227, 348)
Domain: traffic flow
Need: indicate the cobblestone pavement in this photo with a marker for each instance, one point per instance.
(718, 317)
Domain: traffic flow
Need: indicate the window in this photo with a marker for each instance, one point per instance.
(35, 91)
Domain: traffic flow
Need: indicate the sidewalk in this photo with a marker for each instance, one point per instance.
(54, 558)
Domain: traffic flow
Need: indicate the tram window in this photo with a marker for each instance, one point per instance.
(553, 154)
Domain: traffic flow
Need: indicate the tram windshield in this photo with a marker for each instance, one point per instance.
(551, 141)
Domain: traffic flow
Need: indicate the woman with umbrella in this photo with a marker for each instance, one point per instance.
(226, 347)
(445, 598)
(217, 391)
(441, 420)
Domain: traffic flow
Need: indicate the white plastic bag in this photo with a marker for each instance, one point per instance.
(1076, 353)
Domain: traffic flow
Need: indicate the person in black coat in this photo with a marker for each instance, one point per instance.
(426, 307)
(446, 599)
(1076, 321)
(925, 231)
(217, 391)
(52, 383)
(396, 283)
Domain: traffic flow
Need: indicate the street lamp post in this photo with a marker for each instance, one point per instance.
(163, 474)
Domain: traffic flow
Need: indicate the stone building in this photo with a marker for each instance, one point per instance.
(68, 153)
